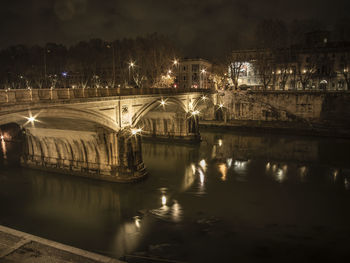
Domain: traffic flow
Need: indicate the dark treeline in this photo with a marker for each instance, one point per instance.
(141, 61)
(134, 62)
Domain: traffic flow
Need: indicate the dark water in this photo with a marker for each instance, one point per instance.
(234, 197)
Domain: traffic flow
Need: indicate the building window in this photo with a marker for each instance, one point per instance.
(184, 77)
(184, 68)
(195, 68)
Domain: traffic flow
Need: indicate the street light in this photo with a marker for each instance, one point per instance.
(113, 62)
(203, 71)
(45, 72)
(131, 65)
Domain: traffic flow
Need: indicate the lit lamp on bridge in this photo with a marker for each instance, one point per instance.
(136, 131)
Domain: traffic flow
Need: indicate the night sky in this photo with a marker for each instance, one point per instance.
(199, 27)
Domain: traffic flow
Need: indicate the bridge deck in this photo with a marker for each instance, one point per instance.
(41, 95)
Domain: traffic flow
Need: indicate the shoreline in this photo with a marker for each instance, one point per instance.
(17, 246)
(277, 127)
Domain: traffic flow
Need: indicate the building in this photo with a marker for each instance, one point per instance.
(193, 73)
(317, 64)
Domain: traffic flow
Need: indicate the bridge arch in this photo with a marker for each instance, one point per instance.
(69, 114)
(155, 104)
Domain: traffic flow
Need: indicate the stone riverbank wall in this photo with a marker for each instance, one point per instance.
(328, 109)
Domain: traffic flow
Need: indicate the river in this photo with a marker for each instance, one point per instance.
(245, 197)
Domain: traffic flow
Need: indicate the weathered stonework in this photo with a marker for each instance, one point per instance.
(105, 155)
(313, 107)
(88, 132)
(168, 125)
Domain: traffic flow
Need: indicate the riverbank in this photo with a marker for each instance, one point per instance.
(280, 127)
(17, 246)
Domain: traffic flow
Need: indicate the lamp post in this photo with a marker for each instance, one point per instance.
(203, 71)
(113, 62)
(45, 71)
(131, 65)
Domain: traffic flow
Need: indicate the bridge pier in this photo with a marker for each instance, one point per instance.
(105, 154)
(170, 126)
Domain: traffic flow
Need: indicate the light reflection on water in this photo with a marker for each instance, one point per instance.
(244, 181)
(3, 149)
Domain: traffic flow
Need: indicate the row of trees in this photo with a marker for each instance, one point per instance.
(128, 62)
(277, 59)
(275, 68)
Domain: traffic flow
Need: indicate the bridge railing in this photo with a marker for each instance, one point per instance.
(35, 95)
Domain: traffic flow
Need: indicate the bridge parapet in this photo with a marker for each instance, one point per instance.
(40, 95)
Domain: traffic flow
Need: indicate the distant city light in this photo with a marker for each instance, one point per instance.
(163, 200)
(220, 142)
(64, 74)
(2, 137)
(175, 62)
(162, 102)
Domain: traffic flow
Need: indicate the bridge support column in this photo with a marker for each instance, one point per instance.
(104, 155)
(181, 127)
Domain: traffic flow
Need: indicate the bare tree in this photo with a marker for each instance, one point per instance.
(345, 61)
(283, 67)
(219, 75)
(266, 68)
(306, 67)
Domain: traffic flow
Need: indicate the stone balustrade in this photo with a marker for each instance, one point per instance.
(38, 95)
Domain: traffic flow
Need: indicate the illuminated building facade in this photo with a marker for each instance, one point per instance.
(318, 64)
(193, 73)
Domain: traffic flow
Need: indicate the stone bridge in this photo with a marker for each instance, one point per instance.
(97, 132)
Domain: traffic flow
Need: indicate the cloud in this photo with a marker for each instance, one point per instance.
(198, 26)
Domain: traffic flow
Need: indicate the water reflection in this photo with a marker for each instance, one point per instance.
(185, 185)
(277, 170)
(335, 174)
(199, 172)
(223, 170)
(229, 162)
(346, 184)
(126, 239)
(203, 165)
(201, 177)
(3, 149)
(240, 166)
(303, 173)
(189, 178)
(137, 221)
(170, 210)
